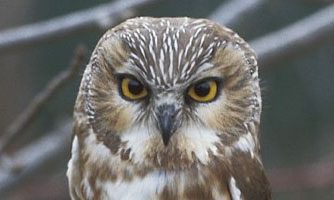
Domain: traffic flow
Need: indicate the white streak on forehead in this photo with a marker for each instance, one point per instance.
(169, 43)
(153, 34)
(143, 39)
(199, 52)
(145, 25)
(168, 24)
(164, 36)
(177, 33)
(180, 58)
(197, 32)
(164, 46)
(171, 57)
(197, 21)
(134, 56)
(153, 74)
(185, 67)
(175, 43)
(188, 46)
(191, 66)
(199, 26)
(141, 48)
(202, 40)
(158, 80)
(152, 54)
(161, 61)
(151, 40)
(204, 67)
(136, 33)
(193, 58)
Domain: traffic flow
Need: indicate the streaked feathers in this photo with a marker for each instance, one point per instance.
(213, 153)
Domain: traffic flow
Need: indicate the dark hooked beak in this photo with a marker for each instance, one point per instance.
(166, 121)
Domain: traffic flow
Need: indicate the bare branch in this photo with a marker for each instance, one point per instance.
(35, 156)
(229, 13)
(297, 38)
(313, 176)
(100, 17)
(37, 104)
(49, 186)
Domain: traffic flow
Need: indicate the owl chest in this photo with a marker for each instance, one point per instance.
(157, 186)
(140, 188)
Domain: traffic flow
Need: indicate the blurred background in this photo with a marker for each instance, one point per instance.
(41, 65)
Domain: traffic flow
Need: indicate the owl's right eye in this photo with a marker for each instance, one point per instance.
(204, 91)
(132, 89)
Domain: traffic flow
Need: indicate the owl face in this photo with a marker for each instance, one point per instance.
(169, 92)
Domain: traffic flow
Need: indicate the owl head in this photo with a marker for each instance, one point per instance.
(171, 92)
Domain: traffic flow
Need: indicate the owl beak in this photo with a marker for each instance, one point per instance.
(166, 118)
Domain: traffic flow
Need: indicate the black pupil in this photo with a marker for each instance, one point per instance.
(135, 87)
(202, 89)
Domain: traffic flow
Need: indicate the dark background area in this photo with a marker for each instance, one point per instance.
(298, 94)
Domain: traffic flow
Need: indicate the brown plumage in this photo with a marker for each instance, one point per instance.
(168, 108)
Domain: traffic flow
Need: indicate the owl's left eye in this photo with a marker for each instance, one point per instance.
(203, 91)
(132, 89)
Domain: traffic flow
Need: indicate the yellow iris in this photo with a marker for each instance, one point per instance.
(204, 91)
(133, 89)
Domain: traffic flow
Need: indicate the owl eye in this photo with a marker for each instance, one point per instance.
(132, 89)
(204, 91)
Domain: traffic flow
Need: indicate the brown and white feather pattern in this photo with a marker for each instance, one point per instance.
(117, 150)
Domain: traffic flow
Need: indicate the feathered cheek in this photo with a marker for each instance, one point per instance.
(119, 115)
(113, 118)
(210, 114)
(124, 119)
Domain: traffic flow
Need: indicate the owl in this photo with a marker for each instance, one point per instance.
(168, 109)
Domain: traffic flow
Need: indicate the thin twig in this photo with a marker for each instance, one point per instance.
(230, 13)
(297, 38)
(311, 176)
(37, 104)
(97, 18)
(32, 158)
(49, 186)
